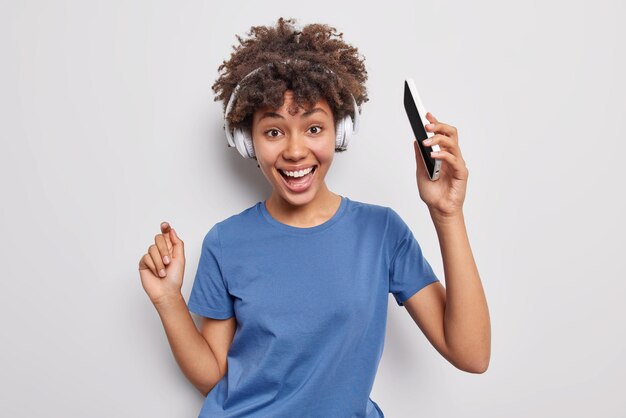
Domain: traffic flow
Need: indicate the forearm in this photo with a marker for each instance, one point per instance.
(466, 319)
(191, 351)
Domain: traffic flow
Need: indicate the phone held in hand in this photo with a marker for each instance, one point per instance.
(417, 117)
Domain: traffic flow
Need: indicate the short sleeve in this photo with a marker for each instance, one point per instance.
(209, 295)
(409, 271)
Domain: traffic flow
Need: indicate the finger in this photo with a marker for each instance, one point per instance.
(435, 126)
(159, 240)
(165, 230)
(442, 128)
(178, 250)
(456, 163)
(147, 263)
(156, 259)
(445, 143)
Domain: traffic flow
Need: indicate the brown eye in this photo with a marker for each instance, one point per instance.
(316, 127)
(271, 130)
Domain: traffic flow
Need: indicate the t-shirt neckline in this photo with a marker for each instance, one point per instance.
(306, 230)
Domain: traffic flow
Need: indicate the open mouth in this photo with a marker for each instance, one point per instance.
(298, 184)
(288, 178)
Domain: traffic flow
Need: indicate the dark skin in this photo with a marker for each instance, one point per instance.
(289, 137)
(167, 250)
(454, 318)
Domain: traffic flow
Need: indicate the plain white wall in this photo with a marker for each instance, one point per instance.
(109, 127)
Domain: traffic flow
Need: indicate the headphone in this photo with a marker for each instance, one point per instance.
(241, 138)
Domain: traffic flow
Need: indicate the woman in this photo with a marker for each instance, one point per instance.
(293, 290)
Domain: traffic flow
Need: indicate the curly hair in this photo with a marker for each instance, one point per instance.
(311, 52)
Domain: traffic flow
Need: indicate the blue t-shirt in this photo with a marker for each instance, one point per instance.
(311, 308)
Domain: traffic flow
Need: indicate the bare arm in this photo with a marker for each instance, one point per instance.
(466, 321)
(455, 319)
(191, 351)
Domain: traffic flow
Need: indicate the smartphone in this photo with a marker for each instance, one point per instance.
(417, 117)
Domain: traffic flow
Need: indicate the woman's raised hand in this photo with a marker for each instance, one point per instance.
(163, 267)
(445, 196)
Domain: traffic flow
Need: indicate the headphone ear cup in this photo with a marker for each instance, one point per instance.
(243, 142)
(247, 141)
(348, 127)
(340, 132)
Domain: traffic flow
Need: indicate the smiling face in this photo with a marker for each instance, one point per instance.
(293, 139)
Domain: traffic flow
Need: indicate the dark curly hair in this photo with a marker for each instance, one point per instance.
(312, 51)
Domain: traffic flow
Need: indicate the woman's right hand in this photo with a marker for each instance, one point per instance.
(166, 245)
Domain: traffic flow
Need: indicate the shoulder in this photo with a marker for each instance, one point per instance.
(387, 221)
(381, 212)
(234, 225)
(368, 209)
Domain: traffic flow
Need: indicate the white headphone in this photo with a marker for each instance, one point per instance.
(241, 138)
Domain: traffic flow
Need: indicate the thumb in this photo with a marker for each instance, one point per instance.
(178, 246)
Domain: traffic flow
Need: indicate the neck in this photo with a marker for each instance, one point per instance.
(315, 212)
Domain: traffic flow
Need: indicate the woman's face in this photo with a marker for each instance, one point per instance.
(294, 139)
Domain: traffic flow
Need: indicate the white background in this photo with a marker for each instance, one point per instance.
(109, 127)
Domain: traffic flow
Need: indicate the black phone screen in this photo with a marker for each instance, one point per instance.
(418, 128)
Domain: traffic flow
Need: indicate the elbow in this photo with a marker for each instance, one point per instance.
(471, 364)
(478, 366)
(473, 359)
(473, 368)
(205, 389)
(479, 369)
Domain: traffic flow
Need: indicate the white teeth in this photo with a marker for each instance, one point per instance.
(298, 173)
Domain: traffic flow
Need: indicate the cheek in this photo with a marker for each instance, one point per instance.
(263, 151)
(327, 151)
(325, 157)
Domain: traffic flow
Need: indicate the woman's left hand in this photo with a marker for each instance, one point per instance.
(444, 197)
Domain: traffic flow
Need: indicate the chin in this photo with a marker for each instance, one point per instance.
(299, 199)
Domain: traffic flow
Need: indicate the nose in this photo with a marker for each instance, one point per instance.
(296, 147)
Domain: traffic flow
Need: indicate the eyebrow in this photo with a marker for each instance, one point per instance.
(279, 116)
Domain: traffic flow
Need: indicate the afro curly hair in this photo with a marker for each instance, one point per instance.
(310, 53)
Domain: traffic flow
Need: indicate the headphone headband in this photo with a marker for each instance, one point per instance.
(345, 128)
